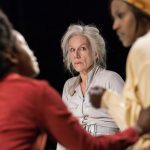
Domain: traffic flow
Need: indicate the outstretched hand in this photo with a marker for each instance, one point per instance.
(96, 94)
(143, 123)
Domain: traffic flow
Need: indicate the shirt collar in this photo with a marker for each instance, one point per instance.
(75, 84)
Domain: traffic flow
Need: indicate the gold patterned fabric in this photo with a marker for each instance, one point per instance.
(143, 5)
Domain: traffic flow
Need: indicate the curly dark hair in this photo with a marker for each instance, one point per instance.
(6, 43)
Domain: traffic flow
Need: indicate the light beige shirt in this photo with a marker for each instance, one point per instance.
(136, 94)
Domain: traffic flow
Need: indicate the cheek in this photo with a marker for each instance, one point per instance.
(132, 33)
(89, 60)
(131, 25)
(70, 58)
(132, 28)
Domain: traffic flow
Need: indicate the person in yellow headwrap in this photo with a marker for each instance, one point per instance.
(132, 25)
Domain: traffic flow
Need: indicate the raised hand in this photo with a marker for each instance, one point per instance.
(96, 94)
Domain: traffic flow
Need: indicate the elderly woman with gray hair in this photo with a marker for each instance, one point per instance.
(84, 55)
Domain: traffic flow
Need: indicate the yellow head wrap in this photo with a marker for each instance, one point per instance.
(143, 5)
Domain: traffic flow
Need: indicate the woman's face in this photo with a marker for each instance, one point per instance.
(124, 22)
(80, 54)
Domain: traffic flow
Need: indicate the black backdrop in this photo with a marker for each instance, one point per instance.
(43, 23)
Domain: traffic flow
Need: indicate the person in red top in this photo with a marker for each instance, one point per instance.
(29, 107)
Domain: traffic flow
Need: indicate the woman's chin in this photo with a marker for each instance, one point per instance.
(126, 44)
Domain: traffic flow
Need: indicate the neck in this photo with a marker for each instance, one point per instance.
(84, 74)
(84, 77)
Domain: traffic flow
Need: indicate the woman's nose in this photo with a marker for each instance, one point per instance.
(77, 54)
(116, 24)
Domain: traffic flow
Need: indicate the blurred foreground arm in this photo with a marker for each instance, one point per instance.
(64, 127)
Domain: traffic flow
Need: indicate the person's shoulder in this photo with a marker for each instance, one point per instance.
(142, 41)
(70, 80)
(113, 77)
(110, 80)
(141, 47)
(33, 82)
(71, 84)
(110, 74)
(115, 81)
(145, 38)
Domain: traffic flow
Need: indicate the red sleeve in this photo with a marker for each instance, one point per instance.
(61, 124)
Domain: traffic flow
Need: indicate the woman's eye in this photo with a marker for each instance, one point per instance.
(83, 48)
(120, 15)
(71, 50)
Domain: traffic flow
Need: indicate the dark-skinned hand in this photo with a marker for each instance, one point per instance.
(95, 95)
(143, 122)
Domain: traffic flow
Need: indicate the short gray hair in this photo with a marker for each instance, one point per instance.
(96, 41)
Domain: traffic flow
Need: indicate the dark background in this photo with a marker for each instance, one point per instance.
(43, 22)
